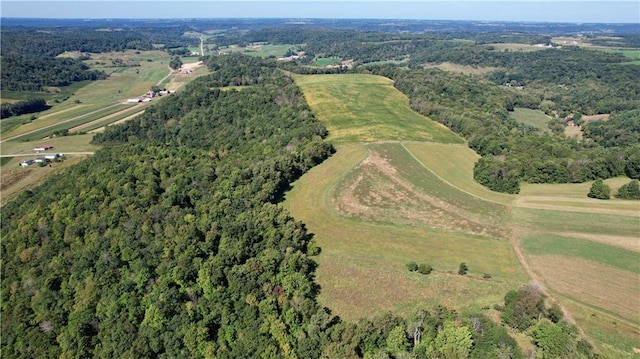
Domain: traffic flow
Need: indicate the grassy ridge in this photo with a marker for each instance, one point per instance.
(362, 265)
(366, 108)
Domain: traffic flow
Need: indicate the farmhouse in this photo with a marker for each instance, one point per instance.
(43, 148)
(26, 163)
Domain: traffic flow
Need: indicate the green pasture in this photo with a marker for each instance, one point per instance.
(48, 131)
(115, 117)
(265, 50)
(535, 118)
(367, 108)
(80, 114)
(540, 244)
(580, 222)
(325, 61)
(74, 143)
(613, 338)
(454, 164)
(54, 93)
(5, 160)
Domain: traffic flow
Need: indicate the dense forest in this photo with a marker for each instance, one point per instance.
(169, 242)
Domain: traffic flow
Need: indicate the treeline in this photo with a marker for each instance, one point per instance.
(20, 73)
(23, 107)
(169, 243)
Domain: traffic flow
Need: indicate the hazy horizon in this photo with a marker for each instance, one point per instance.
(514, 11)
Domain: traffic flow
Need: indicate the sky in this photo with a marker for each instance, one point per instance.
(576, 11)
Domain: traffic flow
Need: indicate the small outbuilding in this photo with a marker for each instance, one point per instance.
(52, 156)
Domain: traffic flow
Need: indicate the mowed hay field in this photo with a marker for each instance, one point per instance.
(366, 108)
(394, 193)
(535, 118)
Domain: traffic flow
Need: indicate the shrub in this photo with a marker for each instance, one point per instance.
(486, 276)
(424, 269)
(630, 190)
(462, 270)
(412, 266)
(313, 249)
(599, 190)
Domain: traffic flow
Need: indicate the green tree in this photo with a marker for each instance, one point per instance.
(630, 190)
(599, 190)
(552, 341)
(397, 340)
(175, 63)
(453, 341)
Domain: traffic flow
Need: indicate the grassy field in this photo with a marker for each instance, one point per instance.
(462, 69)
(325, 61)
(5, 160)
(262, 50)
(77, 143)
(367, 108)
(535, 118)
(362, 265)
(399, 190)
(549, 244)
(515, 47)
(454, 165)
(14, 180)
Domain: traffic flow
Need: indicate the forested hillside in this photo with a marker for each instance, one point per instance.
(167, 243)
